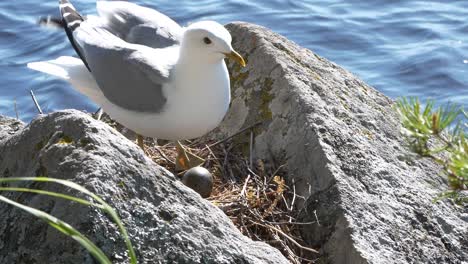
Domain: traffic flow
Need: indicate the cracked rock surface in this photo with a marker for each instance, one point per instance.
(168, 222)
(337, 136)
(339, 139)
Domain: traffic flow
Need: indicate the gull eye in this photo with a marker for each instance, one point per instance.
(207, 40)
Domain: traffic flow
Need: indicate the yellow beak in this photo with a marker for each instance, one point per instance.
(236, 57)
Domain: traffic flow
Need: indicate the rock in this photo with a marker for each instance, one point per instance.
(9, 126)
(339, 139)
(168, 222)
(200, 180)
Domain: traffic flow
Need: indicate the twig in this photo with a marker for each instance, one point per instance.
(294, 194)
(245, 227)
(226, 164)
(288, 237)
(38, 107)
(251, 171)
(214, 156)
(274, 173)
(164, 155)
(16, 109)
(290, 223)
(231, 173)
(240, 132)
(316, 218)
(242, 194)
(251, 149)
(292, 256)
(285, 202)
(277, 170)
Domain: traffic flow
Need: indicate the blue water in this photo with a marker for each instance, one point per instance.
(406, 47)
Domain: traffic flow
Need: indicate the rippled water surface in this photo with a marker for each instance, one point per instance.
(406, 47)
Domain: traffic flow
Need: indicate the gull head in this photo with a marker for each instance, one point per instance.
(209, 41)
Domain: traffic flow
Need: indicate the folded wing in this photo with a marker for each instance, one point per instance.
(139, 25)
(130, 75)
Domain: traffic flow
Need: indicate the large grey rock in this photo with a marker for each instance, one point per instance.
(339, 139)
(167, 222)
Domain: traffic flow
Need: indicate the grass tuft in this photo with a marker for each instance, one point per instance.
(439, 134)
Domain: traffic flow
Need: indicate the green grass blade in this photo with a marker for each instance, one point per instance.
(428, 109)
(449, 114)
(123, 231)
(104, 206)
(64, 228)
(59, 181)
(53, 194)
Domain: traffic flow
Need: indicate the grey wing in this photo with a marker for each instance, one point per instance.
(129, 75)
(139, 25)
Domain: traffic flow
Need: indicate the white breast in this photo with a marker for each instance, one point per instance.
(196, 104)
(199, 101)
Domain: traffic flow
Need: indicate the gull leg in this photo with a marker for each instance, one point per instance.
(140, 142)
(186, 160)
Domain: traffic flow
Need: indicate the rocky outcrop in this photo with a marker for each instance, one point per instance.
(167, 222)
(339, 139)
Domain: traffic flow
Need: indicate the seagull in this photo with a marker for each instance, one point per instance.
(148, 73)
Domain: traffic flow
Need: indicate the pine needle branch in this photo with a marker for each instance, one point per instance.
(439, 134)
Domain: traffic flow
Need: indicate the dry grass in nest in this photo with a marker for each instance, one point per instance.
(258, 201)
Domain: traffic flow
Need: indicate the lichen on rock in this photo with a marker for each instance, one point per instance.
(339, 140)
(167, 222)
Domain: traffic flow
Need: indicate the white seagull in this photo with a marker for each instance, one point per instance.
(147, 72)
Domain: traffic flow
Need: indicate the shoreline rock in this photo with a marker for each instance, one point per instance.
(339, 140)
(337, 137)
(167, 222)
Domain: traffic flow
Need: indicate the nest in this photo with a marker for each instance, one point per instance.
(257, 200)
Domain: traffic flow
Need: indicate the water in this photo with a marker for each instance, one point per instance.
(408, 47)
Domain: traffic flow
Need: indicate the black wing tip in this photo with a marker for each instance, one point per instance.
(69, 15)
(64, 3)
(71, 21)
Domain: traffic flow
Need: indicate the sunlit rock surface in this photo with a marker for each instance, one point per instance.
(168, 222)
(339, 139)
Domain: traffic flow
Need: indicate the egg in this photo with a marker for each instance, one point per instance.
(200, 180)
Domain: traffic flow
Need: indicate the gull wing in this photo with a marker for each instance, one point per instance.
(131, 76)
(139, 25)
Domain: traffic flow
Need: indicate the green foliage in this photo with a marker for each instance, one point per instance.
(64, 227)
(439, 134)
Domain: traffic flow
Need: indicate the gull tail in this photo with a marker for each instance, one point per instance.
(72, 70)
(59, 67)
(72, 21)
